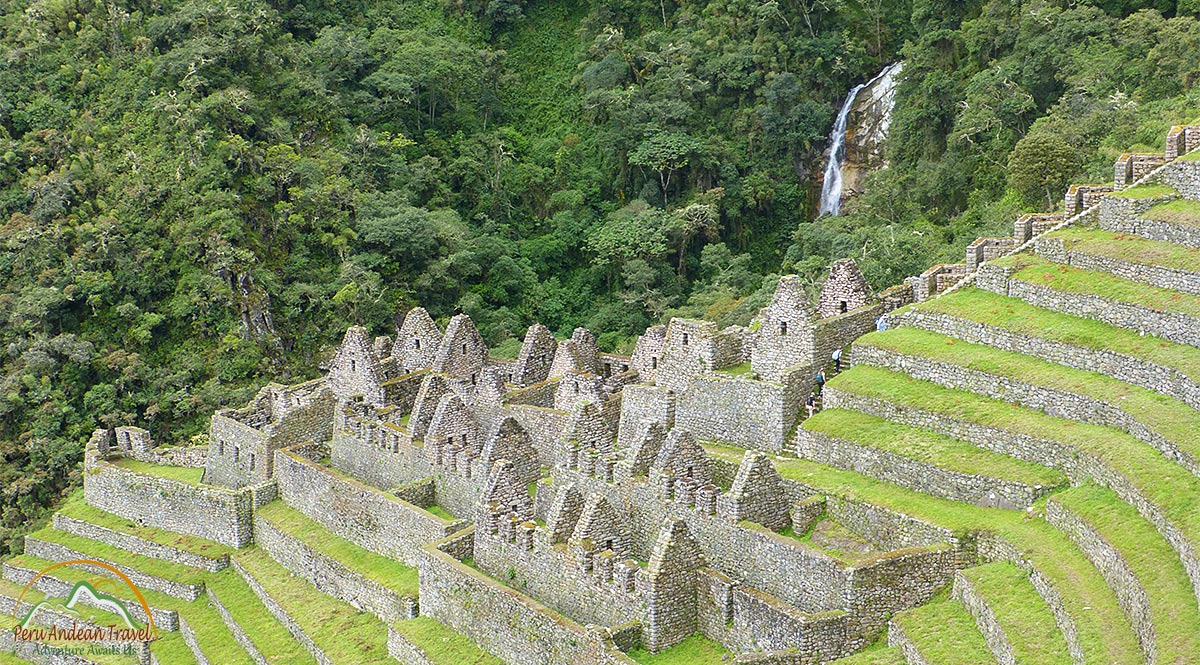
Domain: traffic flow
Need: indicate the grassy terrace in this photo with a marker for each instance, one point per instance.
(345, 634)
(211, 632)
(879, 654)
(382, 570)
(1172, 419)
(1104, 631)
(7, 623)
(1146, 191)
(737, 370)
(443, 645)
(77, 507)
(1024, 616)
(1129, 248)
(184, 474)
(944, 633)
(695, 650)
(1036, 270)
(929, 447)
(1183, 212)
(268, 635)
(1173, 608)
(1018, 316)
(1168, 486)
(103, 551)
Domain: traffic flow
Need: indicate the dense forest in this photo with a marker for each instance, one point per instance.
(197, 197)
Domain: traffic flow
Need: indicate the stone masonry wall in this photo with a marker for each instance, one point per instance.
(738, 411)
(357, 512)
(1184, 176)
(922, 477)
(331, 577)
(1133, 370)
(1160, 276)
(503, 621)
(138, 546)
(1168, 325)
(208, 512)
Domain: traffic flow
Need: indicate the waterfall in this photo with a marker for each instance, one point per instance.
(831, 188)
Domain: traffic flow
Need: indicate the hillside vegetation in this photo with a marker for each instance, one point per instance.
(197, 197)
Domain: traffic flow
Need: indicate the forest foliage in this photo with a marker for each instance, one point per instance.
(197, 197)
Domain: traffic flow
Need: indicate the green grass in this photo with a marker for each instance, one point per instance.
(1173, 608)
(1191, 156)
(97, 550)
(170, 648)
(1024, 616)
(1170, 418)
(345, 634)
(737, 370)
(1036, 270)
(1104, 632)
(77, 507)
(268, 635)
(1019, 316)
(1130, 248)
(945, 633)
(695, 650)
(387, 572)
(184, 474)
(118, 588)
(443, 645)
(876, 654)
(443, 513)
(1146, 191)
(928, 447)
(1183, 212)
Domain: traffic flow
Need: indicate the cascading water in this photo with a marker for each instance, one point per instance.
(831, 188)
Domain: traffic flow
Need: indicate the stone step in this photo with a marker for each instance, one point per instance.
(169, 578)
(921, 460)
(332, 631)
(1175, 221)
(252, 625)
(368, 581)
(1165, 424)
(426, 640)
(1073, 587)
(1017, 624)
(1166, 313)
(76, 517)
(939, 633)
(982, 317)
(23, 568)
(1159, 264)
(1151, 584)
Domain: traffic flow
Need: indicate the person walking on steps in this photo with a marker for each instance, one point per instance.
(837, 361)
(811, 403)
(820, 378)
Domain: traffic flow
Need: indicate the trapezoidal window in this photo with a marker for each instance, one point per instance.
(353, 366)
(843, 306)
(685, 339)
(417, 344)
(464, 348)
(608, 544)
(783, 328)
(653, 362)
(576, 388)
